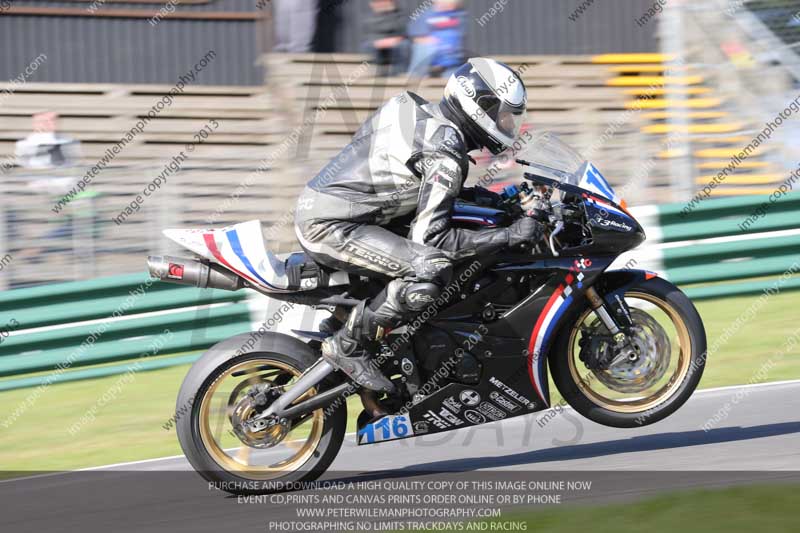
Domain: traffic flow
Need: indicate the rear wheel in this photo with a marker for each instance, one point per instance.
(670, 344)
(221, 445)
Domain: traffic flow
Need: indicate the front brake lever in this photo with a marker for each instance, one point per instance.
(551, 241)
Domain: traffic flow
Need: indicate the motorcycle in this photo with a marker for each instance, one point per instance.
(625, 348)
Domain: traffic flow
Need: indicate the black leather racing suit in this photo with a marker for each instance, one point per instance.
(408, 161)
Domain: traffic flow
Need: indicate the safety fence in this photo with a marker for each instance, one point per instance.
(88, 329)
(724, 247)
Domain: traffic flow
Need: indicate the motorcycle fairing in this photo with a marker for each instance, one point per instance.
(573, 275)
(607, 216)
(240, 248)
(549, 317)
(593, 181)
(455, 406)
(512, 351)
(390, 427)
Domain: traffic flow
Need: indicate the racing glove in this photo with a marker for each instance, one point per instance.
(525, 230)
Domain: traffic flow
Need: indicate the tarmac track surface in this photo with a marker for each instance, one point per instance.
(755, 439)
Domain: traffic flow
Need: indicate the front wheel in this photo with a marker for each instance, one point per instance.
(670, 343)
(226, 391)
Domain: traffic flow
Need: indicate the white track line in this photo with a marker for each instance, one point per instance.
(140, 462)
(146, 461)
(750, 386)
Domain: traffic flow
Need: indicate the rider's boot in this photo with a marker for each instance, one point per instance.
(330, 325)
(348, 351)
(334, 323)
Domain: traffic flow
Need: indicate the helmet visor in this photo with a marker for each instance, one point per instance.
(508, 119)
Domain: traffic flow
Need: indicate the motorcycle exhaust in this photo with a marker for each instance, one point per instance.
(201, 274)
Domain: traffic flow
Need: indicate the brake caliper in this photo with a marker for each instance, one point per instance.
(597, 349)
(263, 432)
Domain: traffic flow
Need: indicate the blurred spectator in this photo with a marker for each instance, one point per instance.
(328, 28)
(45, 148)
(447, 24)
(295, 22)
(423, 44)
(386, 38)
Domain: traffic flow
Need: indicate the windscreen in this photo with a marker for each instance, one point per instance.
(551, 157)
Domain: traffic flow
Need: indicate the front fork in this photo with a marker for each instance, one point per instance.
(616, 317)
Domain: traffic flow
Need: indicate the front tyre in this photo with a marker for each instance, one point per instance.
(671, 343)
(225, 390)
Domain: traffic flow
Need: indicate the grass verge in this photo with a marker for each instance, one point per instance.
(730, 510)
(130, 427)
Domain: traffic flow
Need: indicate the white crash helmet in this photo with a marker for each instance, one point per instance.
(488, 100)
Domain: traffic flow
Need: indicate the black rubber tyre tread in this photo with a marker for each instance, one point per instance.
(202, 374)
(559, 366)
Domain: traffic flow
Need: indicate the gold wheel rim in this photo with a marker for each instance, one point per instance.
(658, 397)
(238, 463)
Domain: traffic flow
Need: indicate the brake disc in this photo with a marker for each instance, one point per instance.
(263, 433)
(653, 348)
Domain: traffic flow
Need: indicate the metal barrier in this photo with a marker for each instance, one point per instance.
(67, 326)
(78, 330)
(727, 247)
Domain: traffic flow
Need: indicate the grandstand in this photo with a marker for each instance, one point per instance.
(659, 125)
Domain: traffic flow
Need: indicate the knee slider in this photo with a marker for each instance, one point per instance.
(418, 296)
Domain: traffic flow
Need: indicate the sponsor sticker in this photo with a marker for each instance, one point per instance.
(417, 297)
(175, 271)
(470, 398)
(583, 263)
(474, 417)
(436, 420)
(491, 411)
(452, 404)
(444, 169)
(608, 223)
(504, 402)
(420, 427)
(373, 256)
(443, 181)
(512, 393)
(450, 417)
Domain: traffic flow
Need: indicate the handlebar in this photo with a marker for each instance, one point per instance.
(527, 201)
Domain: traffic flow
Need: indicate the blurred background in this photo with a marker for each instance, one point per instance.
(122, 118)
(660, 96)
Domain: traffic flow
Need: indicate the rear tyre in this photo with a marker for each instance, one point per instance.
(217, 389)
(606, 397)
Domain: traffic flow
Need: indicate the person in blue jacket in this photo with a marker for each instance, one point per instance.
(447, 24)
(423, 44)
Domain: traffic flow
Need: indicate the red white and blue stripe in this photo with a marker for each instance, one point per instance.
(238, 262)
(607, 206)
(559, 301)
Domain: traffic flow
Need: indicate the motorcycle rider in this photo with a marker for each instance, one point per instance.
(408, 162)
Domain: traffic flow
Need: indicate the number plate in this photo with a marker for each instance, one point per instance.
(389, 427)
